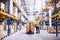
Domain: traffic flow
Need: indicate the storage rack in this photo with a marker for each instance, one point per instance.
(55, 15)
(6, 15)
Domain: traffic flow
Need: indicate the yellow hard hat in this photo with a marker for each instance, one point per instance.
(37, 18)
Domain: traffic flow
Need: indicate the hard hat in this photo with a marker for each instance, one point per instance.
(37, 18)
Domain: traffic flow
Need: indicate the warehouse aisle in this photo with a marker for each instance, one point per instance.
(20, 35)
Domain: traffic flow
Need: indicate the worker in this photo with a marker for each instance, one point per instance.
(37, 25)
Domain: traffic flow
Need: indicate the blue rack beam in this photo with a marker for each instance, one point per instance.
(55, 11)
(8, 21)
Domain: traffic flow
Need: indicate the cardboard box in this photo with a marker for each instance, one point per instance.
(19, 15)
(1, 31)
(1, 34)
(27, 27)
(19, 2)
(2, 6)
(32, 27)
(12, 29)
(16, 1)
(15, 11)
(6, 7)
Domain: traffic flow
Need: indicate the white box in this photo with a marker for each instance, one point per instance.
(2, 5)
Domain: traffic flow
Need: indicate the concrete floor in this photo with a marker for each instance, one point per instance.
(21, 35)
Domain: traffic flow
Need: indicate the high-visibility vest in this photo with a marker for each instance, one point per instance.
(36, 23)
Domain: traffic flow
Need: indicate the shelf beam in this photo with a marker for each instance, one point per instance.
(1, 12)
(54, 15)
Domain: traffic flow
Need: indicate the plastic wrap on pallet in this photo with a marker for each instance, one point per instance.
(2, 6)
